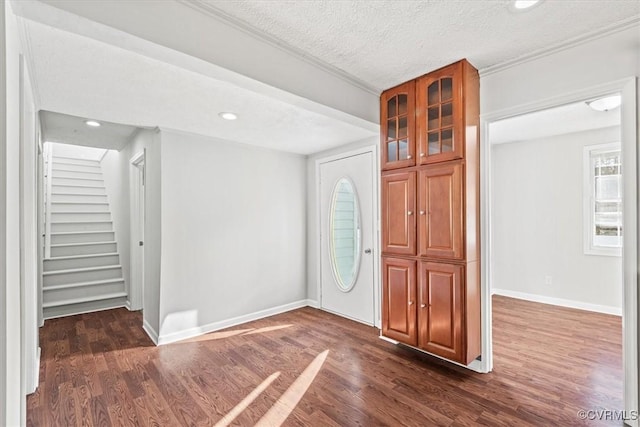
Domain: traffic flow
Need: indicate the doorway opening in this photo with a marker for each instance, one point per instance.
(556, 243)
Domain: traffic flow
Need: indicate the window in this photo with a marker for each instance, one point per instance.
(603, 199)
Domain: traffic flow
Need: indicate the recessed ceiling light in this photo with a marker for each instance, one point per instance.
(92, 123)
(524, 4)
(228, 116)
(605, 104)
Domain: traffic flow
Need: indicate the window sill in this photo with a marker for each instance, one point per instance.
(612, 252)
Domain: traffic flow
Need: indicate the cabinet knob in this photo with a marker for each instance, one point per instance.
(422, 212)
(409, 212)
(423, 305)
(423, 155)
(408, 156)
(410, 302)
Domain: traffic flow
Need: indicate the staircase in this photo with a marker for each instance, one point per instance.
(82, 270)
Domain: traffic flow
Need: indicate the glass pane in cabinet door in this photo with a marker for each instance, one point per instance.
(447, 88)
(402, 127)
(402, 104)
(434, 116)
(447, 114)
(434, 93)
(403, 148)
(447, 140)
(434, 143)
(391, 129)
(391, 107)
(392, 151)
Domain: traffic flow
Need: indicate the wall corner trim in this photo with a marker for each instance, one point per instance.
(313, 303)
(222, 324)
(605, 309)
(150, 331)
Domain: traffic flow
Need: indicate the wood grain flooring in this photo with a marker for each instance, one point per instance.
(101, 369)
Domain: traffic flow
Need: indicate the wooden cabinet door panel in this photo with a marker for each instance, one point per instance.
(441, 310)
(398, 300)
(397, 124)
(440, 115)
(398, 213)
(440, 216)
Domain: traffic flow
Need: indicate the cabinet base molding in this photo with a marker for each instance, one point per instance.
(475, 365)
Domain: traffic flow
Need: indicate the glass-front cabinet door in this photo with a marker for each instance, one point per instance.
(439, 116)
(397, 122)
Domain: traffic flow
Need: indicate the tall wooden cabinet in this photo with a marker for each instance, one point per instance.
(430, 219)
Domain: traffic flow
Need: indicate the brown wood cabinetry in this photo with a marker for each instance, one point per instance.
(430, 232)
(399, 191)
(397, 136)
(399, 297)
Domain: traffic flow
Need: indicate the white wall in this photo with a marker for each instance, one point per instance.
(538, 223)
(29, 238)
(313, 234)
(564, 73)
(233, 232)
(115, 171)
(592, 63)
(15, 407)
(149, 142)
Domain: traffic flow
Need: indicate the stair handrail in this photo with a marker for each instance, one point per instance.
(48, 179)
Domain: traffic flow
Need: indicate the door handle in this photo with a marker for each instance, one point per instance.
(140, 243)
(367, 251)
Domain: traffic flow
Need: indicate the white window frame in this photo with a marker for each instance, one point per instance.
(590, 248)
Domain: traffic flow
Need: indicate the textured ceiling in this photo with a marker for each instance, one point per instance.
(68, 129)
(384, 43)
(83, 77)
(561, 120)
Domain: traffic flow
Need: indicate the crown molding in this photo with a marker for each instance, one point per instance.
(214, 12)
(564, 45)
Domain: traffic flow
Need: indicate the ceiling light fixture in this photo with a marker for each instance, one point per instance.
(605, 104)
(92, 123)
(228, 116)
(524, 4)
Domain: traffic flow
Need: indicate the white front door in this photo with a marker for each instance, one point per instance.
(347, 237)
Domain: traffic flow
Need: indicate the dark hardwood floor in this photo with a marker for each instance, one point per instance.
(101, 369)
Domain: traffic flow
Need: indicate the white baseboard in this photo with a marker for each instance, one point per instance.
(215, 326)
(313, 303)
(150, 331)
(616, 311)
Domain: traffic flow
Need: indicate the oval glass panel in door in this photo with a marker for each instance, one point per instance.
(344, 234)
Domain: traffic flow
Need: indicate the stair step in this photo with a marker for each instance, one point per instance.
(86, 274)
(77, 181)
(74, 160)
(84, 299)
(63, 226)
(80, 261)
(80, 216)
(82, 284)
(78, 198)
(70, 249)
(56, 166)
(79, 189)
(57, 174)
(81, 237)
(95, 170)
(79, 207)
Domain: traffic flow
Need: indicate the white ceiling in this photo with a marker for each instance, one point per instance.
(84, 77)
(387, 42)
(94, 70)
(568, 118)
(67, 129)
